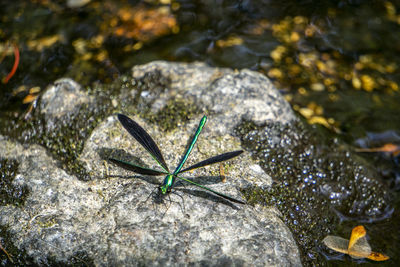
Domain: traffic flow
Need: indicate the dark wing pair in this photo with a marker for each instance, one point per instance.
(148, 143)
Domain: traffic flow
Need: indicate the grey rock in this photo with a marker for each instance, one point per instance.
(118, 219)
(231, 95)
(63, 97)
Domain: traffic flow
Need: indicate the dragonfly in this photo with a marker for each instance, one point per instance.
(148, 143)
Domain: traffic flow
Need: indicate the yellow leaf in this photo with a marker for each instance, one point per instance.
(356, 83)
(356, 234)
(376, 256)
(388, 148)
(306, 112)
(319, 120)
(357, 247)
(360, 249)
(29, 99)
(336, 243)
(368, 83)
(231, 41)
(34, 90)
(275, 73)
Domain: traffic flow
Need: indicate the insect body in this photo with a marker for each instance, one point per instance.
(148, 143)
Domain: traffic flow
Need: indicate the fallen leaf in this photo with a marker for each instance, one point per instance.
(231, 41)
(336, 243)
(389, 148)
(145, 24)
(376, 256)
(357, 233)
(357, 247)
(29, 99)
(360, 249)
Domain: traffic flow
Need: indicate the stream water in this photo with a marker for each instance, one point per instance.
(336, 62)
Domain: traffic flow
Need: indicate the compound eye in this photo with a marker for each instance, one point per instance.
(163, 189)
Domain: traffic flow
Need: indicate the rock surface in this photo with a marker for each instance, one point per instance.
(64, 96)
(118, 219)
(231, 95)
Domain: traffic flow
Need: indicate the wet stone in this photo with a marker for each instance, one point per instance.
(118, 218)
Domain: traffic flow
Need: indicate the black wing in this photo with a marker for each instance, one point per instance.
(215, 192)
(136, 168)
(213, 160)
(144, 139)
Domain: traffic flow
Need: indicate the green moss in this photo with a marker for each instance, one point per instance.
(17, 257)
(9, 192)
(46, 223)
(173, 114)
(65, 138)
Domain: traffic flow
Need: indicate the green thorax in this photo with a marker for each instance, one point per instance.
(167, 184)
